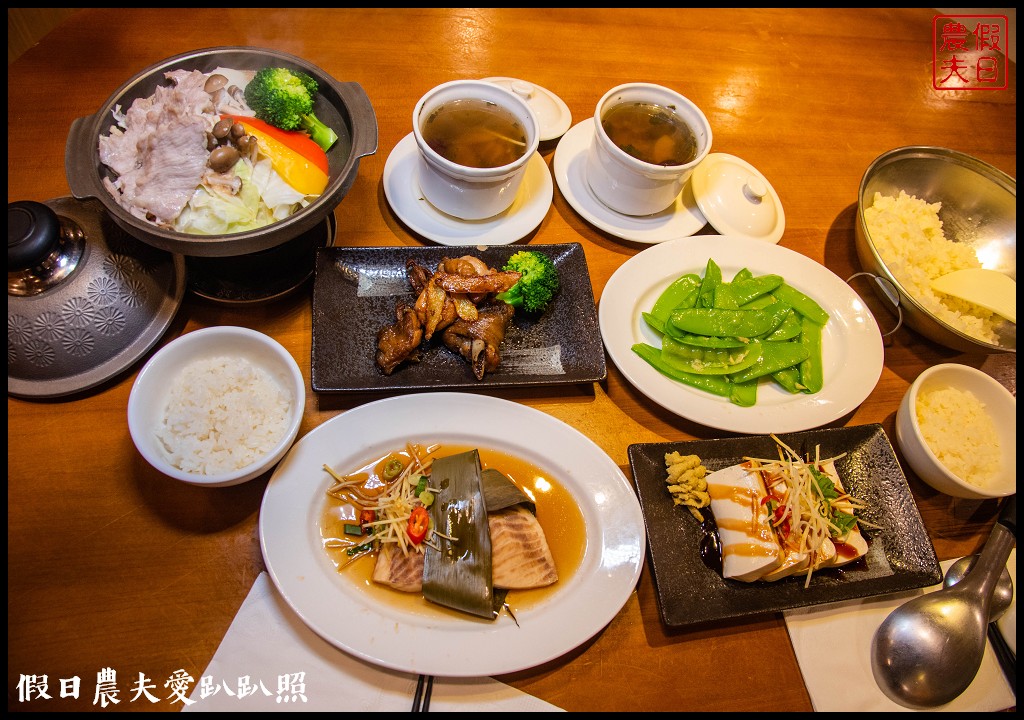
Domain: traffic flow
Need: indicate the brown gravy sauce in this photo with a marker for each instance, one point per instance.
(557, 511)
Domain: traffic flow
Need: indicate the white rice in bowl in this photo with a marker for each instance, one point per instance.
(960, 432)
(222, 415)
(908, 235)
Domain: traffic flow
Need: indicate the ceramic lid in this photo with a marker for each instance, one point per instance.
(85, 300)
(552, 113)
(737, 199)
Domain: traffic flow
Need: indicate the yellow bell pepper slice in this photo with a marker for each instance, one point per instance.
(297, 170)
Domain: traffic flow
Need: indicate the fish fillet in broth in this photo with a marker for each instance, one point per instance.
(520, 556)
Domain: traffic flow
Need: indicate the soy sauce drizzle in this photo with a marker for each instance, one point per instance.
(710, 546)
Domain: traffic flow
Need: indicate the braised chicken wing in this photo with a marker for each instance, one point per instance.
(478, 340)
(401, 341)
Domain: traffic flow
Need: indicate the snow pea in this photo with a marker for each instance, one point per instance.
(812, 372)
(739, 292)
(801, 303)
(707, 341)
(712, 279)
(788, 329)
(716, 384)
(789, 379)
(654, 323)
(744, 394)
(681, 292)
(729, 323)
(708, 361)
(759, 303)
(774, 357)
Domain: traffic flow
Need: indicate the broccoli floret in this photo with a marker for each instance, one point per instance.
(538, 284)
(284, 98)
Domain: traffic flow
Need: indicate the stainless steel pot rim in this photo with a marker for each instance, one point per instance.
(903, 297)
(346, 102)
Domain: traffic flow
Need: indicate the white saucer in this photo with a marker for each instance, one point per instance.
(402, 188)
(682, 219)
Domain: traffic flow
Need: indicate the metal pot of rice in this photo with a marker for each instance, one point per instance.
(923, 212)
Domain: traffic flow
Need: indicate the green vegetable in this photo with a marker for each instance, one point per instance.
(538, 284)
(787, 330)
(789, 379)
(801, 303)
(654, 323)
(359, 549)
(681, 293)
(744, 394)
(284, 98)
(811, 369)
(393, 468)
(351, 529)
(733, 334)
(843, 521)
(708, 361)
(740, 292)
(712, 279)
(707, 341)
(716, 384)
(729, 323)
(775, 357)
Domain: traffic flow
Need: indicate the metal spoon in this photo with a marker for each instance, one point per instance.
(928, 651)
(1002, 596)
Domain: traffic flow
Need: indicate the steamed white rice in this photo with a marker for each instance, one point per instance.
(223, 414)
(960, 433)
(908, 235)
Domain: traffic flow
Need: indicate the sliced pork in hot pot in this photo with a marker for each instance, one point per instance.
(161, 153)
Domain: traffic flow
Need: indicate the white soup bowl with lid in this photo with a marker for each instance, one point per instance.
(463, 191)
(627, 184)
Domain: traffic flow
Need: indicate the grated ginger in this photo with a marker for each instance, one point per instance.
(686, 482)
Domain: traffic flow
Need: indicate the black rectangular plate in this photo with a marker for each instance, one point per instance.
(900, 556)
(355, 292)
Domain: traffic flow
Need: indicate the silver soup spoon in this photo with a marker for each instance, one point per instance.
(928, 651)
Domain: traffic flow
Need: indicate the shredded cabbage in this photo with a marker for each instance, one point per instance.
(264, 198)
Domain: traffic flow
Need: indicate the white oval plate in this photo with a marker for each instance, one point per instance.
(852, 351)
(402, 188)
(337, 609)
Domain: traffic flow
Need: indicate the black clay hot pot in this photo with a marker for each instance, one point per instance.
(344, 106)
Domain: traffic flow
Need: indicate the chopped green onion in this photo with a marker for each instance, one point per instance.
(353, 529)
(365, 547)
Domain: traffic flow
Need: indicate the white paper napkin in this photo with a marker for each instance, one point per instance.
(833, 648)
(269, 660)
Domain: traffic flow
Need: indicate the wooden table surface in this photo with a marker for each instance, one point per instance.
(111, 564)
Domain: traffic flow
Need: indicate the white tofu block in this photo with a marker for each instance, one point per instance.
(749, 547)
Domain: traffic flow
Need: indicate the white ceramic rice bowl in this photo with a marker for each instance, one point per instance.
(151, 391)
(1000, 405)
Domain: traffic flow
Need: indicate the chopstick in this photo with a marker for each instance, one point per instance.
(1007, 658)
(421, 699)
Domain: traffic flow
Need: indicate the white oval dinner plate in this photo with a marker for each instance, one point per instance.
(402, 189)
(450, 644)
(852, 351)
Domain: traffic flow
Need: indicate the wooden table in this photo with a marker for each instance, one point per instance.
(110, 564)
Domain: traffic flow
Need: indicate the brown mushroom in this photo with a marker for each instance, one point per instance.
(223, 158)
(215, 82)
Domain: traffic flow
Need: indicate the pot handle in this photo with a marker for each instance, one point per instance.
(364, 142)
(891, 295)
(77, 159)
